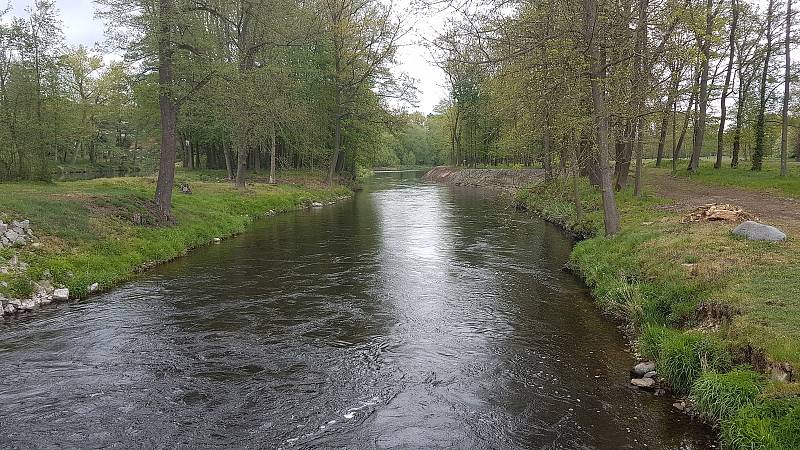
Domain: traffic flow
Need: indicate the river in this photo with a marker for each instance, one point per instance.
(412, 316)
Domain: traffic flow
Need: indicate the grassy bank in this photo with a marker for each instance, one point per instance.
(104, 230)
(717, 313)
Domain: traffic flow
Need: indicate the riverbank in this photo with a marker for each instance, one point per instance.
(696, 300)
(506, 179)
(91, 235)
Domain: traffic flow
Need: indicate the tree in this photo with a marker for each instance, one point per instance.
(758, 152)
(786, 79)
(363, 38)
(724, 97)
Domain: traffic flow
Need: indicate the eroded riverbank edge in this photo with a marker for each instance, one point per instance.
(97, 234)
(735, 402)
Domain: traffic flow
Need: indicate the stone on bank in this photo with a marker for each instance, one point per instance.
(755, 231)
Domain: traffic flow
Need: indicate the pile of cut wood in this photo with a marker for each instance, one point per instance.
(718, 212)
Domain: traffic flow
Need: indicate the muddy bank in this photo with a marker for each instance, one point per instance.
(506, 179)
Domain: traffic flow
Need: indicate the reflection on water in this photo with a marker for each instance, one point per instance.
(414, 316)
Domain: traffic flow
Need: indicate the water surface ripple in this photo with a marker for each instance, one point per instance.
(413, 316)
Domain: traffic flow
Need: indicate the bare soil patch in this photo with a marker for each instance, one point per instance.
(688, 195)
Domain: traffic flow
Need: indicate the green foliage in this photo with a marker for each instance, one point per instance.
(768, 424)
(685, 356)
(719, 396)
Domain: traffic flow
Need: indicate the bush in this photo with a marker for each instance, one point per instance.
(719, 396)
(685, 356)
(770, 424)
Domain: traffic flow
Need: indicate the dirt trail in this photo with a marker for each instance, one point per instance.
(771, 208)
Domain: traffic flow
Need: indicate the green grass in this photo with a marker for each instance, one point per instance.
(89, 235)
(684, 357)
(768, 179)
(693, 294)
(719, 396)
(769, 424)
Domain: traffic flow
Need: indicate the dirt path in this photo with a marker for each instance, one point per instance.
(770, 208)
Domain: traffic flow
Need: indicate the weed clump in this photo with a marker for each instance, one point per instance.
(718, 396)
(683, 357)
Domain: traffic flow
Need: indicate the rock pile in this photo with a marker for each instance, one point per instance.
(44, 295)
(18, 233)
(643, 375)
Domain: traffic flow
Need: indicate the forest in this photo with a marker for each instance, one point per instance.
(216, 85)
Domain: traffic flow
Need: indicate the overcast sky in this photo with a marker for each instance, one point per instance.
(80, 27)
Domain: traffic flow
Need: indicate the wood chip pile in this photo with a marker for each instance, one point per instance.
(718, 212)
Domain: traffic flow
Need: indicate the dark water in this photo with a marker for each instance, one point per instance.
(413, 316)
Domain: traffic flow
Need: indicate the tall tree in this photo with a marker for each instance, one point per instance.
(723, 107)
(786, 79)
(758, 152)
(705, 42)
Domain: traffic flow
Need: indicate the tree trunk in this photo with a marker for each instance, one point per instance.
(168, 111)
(637, 187)
(337, 138)
(662, 140)
(227, 155)
(702, 100)
(679, 146)
(725, 91)
(272, 156)
(576, 191)
(787, 74)
(241, 167)
(758, 153)
(597, 74)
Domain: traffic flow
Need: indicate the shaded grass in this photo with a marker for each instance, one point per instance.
(89, 236)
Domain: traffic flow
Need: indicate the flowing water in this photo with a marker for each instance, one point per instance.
(412, 316)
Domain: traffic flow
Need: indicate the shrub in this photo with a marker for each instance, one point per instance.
(719, 396)
(771, 424)
(685, 356)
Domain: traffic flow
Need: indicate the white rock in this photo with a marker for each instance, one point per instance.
(643, 367)
(755, 231)
(644, 383)
(93, 288)
(317, 205)
(10, 309)
(650, 374)
(15, 302)
(11, 235)
(61, 295)
(217, 240)
(28, 305)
